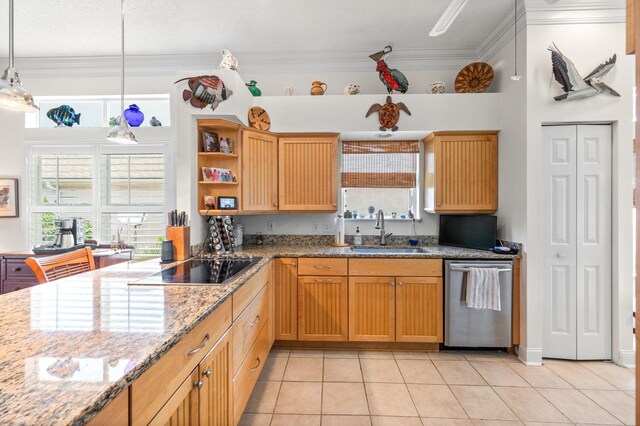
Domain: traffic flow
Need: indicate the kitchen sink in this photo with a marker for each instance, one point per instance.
(390, 250)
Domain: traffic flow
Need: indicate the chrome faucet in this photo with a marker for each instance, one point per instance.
(380, 226)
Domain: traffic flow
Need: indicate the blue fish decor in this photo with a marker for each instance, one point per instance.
(63, 115)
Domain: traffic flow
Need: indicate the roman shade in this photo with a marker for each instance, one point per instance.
(379, 164)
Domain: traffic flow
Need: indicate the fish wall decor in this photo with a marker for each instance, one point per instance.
(63, 115)
(205, 90)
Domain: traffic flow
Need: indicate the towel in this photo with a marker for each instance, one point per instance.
(483, 289)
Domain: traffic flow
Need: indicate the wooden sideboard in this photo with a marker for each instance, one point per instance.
(16, 275)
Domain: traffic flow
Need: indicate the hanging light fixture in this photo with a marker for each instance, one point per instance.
(515, 76)
(12, 94)
(121, 133)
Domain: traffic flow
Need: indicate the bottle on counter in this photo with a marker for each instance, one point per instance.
(413, 239)
(357, 238)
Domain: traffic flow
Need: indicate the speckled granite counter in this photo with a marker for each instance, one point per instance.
(69, 347)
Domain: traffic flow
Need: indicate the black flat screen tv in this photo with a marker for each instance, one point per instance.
(471, 231)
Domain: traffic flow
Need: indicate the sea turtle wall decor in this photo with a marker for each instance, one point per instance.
(388, 114)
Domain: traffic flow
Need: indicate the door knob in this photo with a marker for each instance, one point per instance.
(560, 255)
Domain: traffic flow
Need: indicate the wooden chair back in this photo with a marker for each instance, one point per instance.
(58, 266)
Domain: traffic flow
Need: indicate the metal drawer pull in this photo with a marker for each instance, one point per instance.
(467, 269)
(257, 364)
(323, 266)
(207, 373)
(198, 384)
(257, 320)
(199, 348)
(318, 280)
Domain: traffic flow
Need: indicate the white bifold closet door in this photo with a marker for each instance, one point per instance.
(577, 241)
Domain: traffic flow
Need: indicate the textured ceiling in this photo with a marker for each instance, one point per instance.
(66, 28)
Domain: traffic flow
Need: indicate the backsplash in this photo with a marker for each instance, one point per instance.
(288, 239)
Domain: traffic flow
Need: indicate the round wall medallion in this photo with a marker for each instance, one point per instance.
(259, 118)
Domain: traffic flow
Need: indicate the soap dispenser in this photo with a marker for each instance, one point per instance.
(357, 238)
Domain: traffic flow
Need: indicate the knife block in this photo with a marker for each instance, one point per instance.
(180, 236)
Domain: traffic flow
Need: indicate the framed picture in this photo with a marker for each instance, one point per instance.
(213, 174)
(9, 198)
(210, 202)
(210, 141)
(227, 203)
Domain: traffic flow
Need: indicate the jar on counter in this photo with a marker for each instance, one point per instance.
(259, 238)
(238, 230)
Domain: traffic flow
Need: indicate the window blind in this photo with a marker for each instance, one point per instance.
(379, 164)
(62, 180)
(132, 179)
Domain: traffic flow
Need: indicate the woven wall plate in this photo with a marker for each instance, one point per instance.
(259, 118)
(474, 78)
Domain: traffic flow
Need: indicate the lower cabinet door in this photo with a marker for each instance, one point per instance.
(182, 408)
(322, 308)
(216, 403)
(372, 306)
(286, 309)
(419, 309)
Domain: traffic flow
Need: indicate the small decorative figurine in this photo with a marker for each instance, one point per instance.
(574, 86)
(155, 122)
(436, 88)
(64, 115)
(351, 89)
(288, 91)
(391, 78)
(388, 114)
(205, 90)
(255, 91)
(134, 116)
(229, 62)
(318, 88)
(113, 121)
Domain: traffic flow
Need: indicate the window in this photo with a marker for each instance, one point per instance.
(114, 189)
(382, 174)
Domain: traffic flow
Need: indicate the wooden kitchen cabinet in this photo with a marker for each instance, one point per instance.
(215, 406)
(308, 173)
(182, 408)
(461, 172)
(388, 303)
(259, 172)
(372, 309)
(322, 308)
(286, 299)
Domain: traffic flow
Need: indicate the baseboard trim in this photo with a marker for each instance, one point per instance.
(625, 359)
(530, 356)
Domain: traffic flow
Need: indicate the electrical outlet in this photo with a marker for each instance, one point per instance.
(271, 227)
(328, 227)
(315, 227)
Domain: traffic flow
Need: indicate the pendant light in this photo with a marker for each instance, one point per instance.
(12, 95)
(121, 133)
(515, 76)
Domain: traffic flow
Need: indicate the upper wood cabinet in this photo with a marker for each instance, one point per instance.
(461, 172)
(259, 172)
(308, 173)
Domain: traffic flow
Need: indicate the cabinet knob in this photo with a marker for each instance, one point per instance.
(334, 205)
(275, 204)
(293, 264)
(399, 282)
(392, 283)
(17, 269)
(198, 384)
(207, 373)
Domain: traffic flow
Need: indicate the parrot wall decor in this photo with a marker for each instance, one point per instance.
(391, 78)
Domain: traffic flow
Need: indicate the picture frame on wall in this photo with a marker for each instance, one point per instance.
(210, 141)
(9, 198)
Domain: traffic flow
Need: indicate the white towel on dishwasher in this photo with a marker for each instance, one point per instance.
(483, 288)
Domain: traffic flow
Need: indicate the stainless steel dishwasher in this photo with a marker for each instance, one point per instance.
(466, 327)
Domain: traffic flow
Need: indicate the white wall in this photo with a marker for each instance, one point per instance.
(587, 45)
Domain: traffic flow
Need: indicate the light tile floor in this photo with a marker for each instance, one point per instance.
(351, 388)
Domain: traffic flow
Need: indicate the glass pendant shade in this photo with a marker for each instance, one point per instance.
(122, 134)
(12, 95)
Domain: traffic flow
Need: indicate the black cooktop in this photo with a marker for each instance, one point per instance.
(200, 272)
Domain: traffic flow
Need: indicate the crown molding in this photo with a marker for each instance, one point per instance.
(539, 12)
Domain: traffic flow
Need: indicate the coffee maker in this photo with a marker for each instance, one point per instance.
(70, 233)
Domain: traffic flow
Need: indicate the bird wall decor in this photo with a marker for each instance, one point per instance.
(574, 86)
(391, 78)
(388, 114)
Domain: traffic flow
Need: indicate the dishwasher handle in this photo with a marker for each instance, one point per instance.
(467, 269)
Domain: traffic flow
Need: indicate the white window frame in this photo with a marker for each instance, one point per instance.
(95, 149)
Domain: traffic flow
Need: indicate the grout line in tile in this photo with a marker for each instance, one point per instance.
(596, 402)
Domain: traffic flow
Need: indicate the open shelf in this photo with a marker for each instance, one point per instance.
(207, 182)
(217, 155)
(217, 212)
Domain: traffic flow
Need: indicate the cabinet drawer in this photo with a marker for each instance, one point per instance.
(249, 372)
(248, 325)
(9, 286)
(322, 266)
(17, 270)
(245, 294)
(154, 388)
(396, 267)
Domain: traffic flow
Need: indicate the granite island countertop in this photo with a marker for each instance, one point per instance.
(69, 347)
